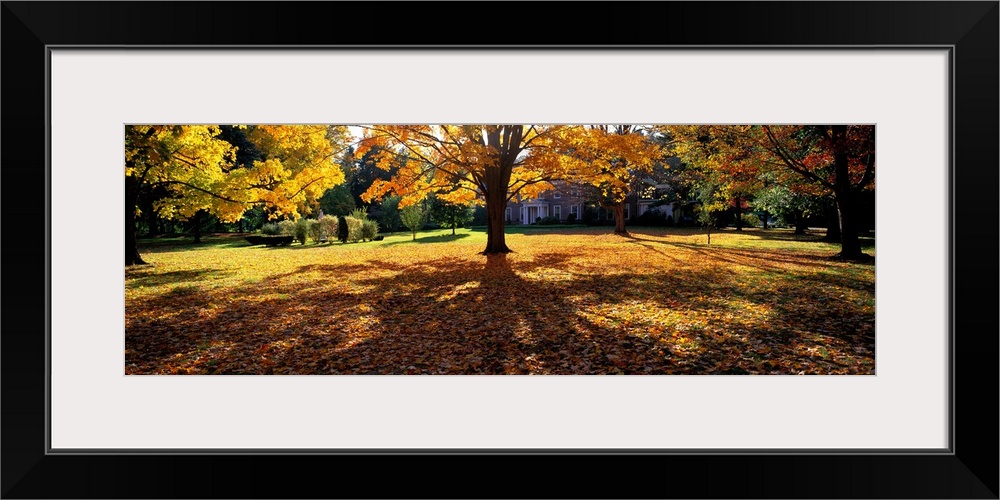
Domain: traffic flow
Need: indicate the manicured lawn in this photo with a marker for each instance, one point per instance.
(569, 300)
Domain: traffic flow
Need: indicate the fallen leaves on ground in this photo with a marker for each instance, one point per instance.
(566, 302)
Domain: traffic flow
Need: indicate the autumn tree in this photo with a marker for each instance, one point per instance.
(490, 164)
(728, 154)
(618, 156)
(201, 173)
(839, 158)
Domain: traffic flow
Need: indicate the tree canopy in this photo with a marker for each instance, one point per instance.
(293, 166)
(286, 169)
(488, 164)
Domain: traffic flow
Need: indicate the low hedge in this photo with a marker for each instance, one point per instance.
(270, 240)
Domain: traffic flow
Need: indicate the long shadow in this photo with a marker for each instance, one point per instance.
(444, 238)
(867, 238)
(649, 246)
(750, 258)
(148, 277)
(493, 315)
(543, 230)
(153, 245)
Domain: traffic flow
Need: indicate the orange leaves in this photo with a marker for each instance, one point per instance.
(569, 302)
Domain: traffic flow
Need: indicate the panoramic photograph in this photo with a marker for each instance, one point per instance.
(549, 249)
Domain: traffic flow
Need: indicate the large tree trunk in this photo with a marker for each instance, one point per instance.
(131, 246)
(850, 245)
(496, 206)
(505, 141)
(619, 211)
(497, 180)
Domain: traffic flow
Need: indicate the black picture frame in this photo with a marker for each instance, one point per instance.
(969, 470)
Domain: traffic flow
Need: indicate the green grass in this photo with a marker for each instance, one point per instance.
(748, 238)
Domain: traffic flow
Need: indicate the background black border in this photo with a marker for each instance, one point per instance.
(972, 472)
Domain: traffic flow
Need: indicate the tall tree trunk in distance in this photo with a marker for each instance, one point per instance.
(764, 220)
(800, 222)
(197, 227)
(149, 213)
(832, 225)
(739, 214)
(619, 211)
(453, 229)
(131, 246)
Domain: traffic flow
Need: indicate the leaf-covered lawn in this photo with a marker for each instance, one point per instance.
(568, 301)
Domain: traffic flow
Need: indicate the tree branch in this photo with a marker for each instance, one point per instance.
(203, 190)
(792, 164)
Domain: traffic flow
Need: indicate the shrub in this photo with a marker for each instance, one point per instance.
(651, 218)
(277, 240)
(360, 214)
(571, 218)
(269, 239)
(751, 220)
(313, 229)
(301, 230)
(354, 227)
(271, 228)
(548, 221)
(286, 227)
(327, 227)
(343, 230)
(369, 229)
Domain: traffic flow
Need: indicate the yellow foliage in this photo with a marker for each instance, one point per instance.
(199, 171)
(456, 160)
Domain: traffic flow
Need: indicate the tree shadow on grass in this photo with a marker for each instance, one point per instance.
(146, 276)
(171, 245)
(867, 238)
(444, 238)
(501, 315)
